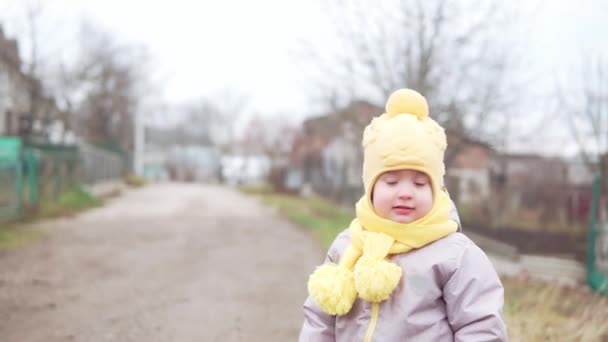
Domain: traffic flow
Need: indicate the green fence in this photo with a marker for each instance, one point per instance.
(100, 164)
(35, 173)
(11, 180)
(54, 170)
(597, 260)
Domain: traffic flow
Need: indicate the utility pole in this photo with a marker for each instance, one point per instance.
(140, 141)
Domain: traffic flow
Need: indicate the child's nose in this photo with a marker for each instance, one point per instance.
(405, 192)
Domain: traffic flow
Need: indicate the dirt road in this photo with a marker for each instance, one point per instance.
(170, 262)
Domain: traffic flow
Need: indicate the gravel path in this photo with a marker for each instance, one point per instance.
(169, 262)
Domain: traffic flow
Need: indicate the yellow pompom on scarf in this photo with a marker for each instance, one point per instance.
(391, 142)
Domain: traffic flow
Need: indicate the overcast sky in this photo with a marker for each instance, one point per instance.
(199, 46)
(203, 46)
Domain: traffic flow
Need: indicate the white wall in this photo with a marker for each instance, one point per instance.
(470, 179)
(339, 153)
(4, 98)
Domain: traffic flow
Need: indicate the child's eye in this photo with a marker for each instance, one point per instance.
(420, 183)
(391, 181)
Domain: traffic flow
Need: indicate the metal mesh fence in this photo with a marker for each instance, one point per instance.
(9, 190)
(33, 173)
(98, 165)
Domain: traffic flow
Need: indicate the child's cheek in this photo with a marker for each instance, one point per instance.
(373, 195)
(377, 197)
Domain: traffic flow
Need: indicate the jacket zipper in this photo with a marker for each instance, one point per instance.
(372, 322)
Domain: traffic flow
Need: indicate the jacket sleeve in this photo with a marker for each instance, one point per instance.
(319, 326)
(474, 299)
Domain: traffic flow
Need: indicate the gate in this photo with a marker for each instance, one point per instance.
(597, 257)
(11, 180)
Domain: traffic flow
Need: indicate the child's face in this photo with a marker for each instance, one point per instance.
(403, 195)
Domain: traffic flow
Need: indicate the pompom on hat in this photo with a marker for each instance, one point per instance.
(407, 101)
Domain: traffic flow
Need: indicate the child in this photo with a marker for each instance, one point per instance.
(401, 271)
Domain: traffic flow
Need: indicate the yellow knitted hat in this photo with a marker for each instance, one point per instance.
(404, 137)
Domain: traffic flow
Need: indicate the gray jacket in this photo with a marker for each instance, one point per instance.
(449, 292)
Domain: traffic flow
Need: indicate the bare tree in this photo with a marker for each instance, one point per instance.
(29, 71)
(39, 83)
(107, 83)
(587, 110)
(211, 119)
(202, 124)
(450, 51)
(34, 12)
(271, 137)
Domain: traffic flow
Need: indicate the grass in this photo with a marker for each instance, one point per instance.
(135, 181)
(68, 203)
(13, 236)
(538, 311)
(323, 218)
(257, 189)
(534, 310)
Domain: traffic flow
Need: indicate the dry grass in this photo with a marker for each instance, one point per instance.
(13, 237)
(324, 219)
(135, 181)
(538, 311)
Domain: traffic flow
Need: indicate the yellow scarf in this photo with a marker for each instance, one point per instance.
(363, 268)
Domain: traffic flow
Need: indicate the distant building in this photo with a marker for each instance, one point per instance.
(14, 86)
(194, 163)
(245, 169)
(44, 125)
(471, 167)
(326, 155)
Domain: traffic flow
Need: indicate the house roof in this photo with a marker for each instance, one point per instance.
(359, 113)
(457, 137)
(523, 168)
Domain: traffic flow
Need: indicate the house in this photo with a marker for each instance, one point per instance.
(245, 169)
(156, 152)
(521, 170)
(470, 167)
(194, 163)
(305, 159)
(179, 155)
(579, 196)
(154, 165)
(36, 117)
(14, 86)
(544, 190)
(536, 179)
(326, 155)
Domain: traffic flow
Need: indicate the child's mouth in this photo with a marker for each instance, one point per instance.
(403, 210)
